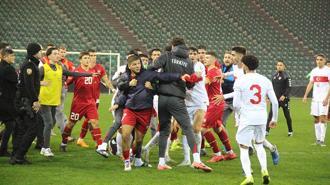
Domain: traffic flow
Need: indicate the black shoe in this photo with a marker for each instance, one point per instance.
(13, 160)
(4, 154)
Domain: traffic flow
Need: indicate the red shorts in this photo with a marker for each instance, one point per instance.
(213, 116)
(138, 119)
(89, 111)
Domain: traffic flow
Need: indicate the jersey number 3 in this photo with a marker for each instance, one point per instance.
(256, 100)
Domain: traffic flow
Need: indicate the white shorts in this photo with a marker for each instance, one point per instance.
(245, 134)
(317, 109)
(192, 110)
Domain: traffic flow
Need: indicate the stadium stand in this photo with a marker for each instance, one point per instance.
(215, 23)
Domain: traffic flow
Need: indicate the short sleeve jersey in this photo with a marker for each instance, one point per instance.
(321, 78)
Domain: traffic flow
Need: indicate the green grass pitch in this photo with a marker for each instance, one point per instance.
(300, 163)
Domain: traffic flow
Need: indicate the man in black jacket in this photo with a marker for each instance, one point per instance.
(172, 101)
(28, 105)
(282, 85)
(8, 82)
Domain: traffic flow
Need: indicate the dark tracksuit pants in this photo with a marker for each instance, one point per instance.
(169, 106)
(24, 133)
(286, 110)
(9, 127)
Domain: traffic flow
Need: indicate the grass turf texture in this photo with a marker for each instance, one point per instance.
(301, 163)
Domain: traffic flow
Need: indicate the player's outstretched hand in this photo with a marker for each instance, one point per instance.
(217, 99)
(148, 85)
(305, 99)
(113, 108)
(272, 124)
(185, 77)
(325, 102)
(133, 83)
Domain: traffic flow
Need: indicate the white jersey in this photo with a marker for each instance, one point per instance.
(250, 92)
(197, 96)
(238, 72)
(321, 78)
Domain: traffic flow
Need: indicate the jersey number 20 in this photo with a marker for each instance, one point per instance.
(88, 80)
(256, 100)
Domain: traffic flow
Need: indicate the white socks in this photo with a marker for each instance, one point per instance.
(323, 129)
(186, 149)
(161, 161)
(261, 153)
(245, 160)
(317, 131)
(197, 157)
(268, 145)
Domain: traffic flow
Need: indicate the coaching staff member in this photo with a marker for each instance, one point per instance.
(27, 104)
(282, 85)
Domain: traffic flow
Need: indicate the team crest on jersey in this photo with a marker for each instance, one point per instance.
(29, 71)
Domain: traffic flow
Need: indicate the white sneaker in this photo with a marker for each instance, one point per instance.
(47, 152)
(42, 151)
(127, 165)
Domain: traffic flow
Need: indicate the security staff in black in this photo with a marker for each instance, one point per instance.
(27, 105)
(282, 85)
(8, 83)
(171, 100)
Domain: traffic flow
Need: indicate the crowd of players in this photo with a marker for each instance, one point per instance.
(181, 88)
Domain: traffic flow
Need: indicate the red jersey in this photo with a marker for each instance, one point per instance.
(68, 64)
(83, 88)
(98, 68)
(213, 88)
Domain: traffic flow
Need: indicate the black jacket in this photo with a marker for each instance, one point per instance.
(8, 87)
(176, 61)
(29, 79)
(282, 84)
(139, 97)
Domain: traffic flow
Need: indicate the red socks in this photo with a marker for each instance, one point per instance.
(212, 141)
(225, 139)
(126, 154)
(84, 129)
(96, 132)
(66, 133)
